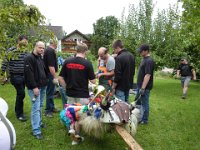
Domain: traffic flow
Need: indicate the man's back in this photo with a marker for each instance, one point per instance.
(146, 67)
(76, 73)
(124, 70)
(50, 59)
(15, 64)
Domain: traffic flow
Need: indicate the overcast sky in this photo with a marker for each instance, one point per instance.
(81, 14)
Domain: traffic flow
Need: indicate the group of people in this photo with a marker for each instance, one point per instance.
(116, 74)
(38, 72)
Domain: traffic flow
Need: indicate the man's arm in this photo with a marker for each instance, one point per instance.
(62, 81)
(107, 74)
(178, 73)
(29, 73)
(93, 81)
(145, 81)
(117, 71)
(194, 74)
(52, 71)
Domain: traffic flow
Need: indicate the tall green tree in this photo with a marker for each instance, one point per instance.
(104, 32)
(166, 37)
(161, 32)
(191, 30)
(136, 27)
(17, 19)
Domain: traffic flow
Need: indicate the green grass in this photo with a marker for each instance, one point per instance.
(174, 123)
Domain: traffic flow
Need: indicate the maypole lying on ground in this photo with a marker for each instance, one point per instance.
(100, 113)
(130, 141)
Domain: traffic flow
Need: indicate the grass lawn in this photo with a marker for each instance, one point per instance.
(174, 123)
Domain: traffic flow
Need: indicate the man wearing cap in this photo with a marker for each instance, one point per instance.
(145, 81)
(187, 73)
(124, 71)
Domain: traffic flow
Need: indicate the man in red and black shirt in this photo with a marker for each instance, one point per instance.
(76, 72)
(75, 75)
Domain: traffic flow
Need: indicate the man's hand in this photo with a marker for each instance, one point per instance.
(99, 75)
(55, 81)
(141, 91)
(36, 91)
(178, 76)
(112, 92)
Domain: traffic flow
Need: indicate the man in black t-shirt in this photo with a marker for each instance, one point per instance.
(75, 74)
(50, 61)
(187, 73)
(145, 81)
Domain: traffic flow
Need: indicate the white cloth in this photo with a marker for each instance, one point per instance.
(3, 107)
(4, 133)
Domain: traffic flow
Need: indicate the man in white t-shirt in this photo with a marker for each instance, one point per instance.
(106, 66)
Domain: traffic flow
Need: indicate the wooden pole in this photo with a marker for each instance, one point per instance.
(128, 138)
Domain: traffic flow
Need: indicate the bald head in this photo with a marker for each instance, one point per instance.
(39, 48)
(39, 43)
(102, 52)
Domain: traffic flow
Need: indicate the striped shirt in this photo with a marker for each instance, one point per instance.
(16, 63)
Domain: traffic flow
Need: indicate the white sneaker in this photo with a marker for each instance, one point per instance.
(74, 143)
(71, 131)
(80, 139)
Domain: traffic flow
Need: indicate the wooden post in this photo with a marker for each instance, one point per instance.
(128, 138)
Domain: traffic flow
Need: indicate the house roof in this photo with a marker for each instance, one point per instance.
(57, 30)
(78, 32)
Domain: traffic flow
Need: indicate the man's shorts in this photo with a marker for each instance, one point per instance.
(83, 101)
(185, 80)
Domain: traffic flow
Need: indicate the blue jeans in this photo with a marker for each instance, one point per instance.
(50, 95)
(19, 84)
(122, 95)
(63, 95)
(185, 81)
(36, 109)
(145, 105)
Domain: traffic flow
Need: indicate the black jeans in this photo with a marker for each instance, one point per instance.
(50, 95)
(19, 84)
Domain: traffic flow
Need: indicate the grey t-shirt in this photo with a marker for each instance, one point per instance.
(110, 63)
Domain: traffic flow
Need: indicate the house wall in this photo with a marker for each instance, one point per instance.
(59, 47)
(75, 37)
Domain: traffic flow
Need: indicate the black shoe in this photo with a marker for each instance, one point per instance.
(22, 118)
(55, 110)
(43, 126)
(49, 115)
(143, 123)
(183, 97)
(39, 136)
